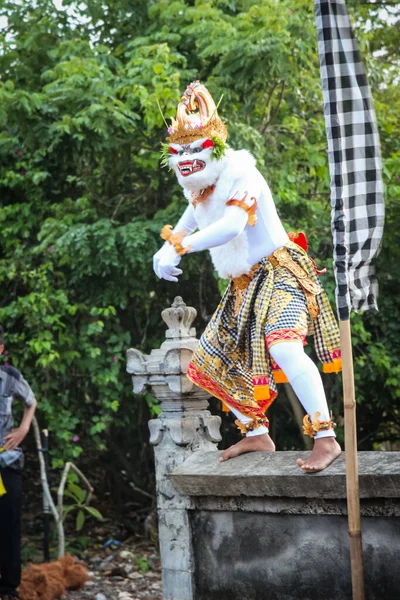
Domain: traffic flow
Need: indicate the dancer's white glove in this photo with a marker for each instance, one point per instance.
(165, 262)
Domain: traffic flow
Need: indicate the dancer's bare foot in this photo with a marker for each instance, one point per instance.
(254, 443)
(323, 454)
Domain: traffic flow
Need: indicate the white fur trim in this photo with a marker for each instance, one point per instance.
(231, 259)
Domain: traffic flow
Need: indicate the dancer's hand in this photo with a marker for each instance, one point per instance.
(165, 262)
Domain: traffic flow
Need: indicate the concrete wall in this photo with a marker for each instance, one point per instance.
(255, 556)
(263, 530)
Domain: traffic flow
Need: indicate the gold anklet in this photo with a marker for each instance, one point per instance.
(312, 428)
(252, 425)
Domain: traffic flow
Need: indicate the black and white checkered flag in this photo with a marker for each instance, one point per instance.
(354, 159)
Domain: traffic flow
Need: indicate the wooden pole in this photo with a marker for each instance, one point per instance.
(46, 505)
(350, 441)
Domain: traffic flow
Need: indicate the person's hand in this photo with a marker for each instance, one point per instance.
(13, 439)
(158, 256)
(165, 262)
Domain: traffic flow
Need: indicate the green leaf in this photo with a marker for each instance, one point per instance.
(69, 494)
(68, 509)
(94, 512)
(219, 148)
(80, 520)
(77, 492)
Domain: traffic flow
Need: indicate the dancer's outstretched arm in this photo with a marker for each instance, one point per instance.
(166, 259)
(226, 229)
(219, 233)
(187, 222)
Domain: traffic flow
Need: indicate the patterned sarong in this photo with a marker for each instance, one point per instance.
(232, 361)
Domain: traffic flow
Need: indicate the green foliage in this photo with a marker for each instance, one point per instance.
(164, 155)
(142, 564)
(78, 544)
(84, 197)
(219, 148)
(79, 506)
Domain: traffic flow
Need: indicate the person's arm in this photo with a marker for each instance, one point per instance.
(240, 210)
(219, 233)
(241, 206)
(16, 437)
(187, 222)
(166, 259)
(223, 231)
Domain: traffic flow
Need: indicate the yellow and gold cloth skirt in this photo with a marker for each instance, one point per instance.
(282, 300)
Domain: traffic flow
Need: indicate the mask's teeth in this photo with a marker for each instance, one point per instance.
(195, 164)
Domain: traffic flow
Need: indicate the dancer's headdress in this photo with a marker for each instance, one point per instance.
(190, 125)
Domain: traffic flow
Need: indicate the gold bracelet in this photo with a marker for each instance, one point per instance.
(250, 209)
(311, 428)
(175, 239)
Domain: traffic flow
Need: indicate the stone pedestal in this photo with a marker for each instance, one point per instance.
(184, 426)
(263, 529)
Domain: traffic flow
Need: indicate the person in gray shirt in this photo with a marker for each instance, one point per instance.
(12, 386)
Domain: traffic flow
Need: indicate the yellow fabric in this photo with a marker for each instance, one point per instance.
(261, 392)
(280, 377)
(333, 367)
(2, 488)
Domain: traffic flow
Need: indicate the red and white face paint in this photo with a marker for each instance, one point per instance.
(189, 167)
(193, 160)
(208, 144)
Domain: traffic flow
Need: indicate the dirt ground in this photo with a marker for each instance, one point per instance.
(131, 572)
(120, 551)
(120, 567)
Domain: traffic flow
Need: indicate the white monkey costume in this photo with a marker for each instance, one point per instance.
(256, 336)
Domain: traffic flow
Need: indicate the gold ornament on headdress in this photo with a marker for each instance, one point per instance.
(190, 125)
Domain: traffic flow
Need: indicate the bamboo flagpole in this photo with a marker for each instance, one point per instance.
(357, 216)
(350, 441)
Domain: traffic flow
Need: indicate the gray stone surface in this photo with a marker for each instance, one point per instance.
(262, 529)
(276, 475)
(252, 556)
(377, 507)
(183, 427)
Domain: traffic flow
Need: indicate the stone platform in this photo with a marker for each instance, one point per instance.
(276, 474)
(264, 530)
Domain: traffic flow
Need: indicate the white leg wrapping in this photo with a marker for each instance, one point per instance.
(304, 378)
(243, 419)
